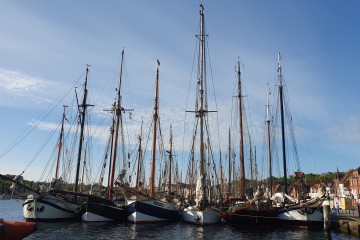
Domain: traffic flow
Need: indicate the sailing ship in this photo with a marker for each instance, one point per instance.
(305, 213)
(259, 209)
(203, 213)
(98, 208)
(148, 208)
(57, 204)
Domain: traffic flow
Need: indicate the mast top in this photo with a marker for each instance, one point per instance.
(279, 69)
(268, 93)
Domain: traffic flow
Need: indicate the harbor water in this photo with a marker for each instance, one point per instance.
(12, 210)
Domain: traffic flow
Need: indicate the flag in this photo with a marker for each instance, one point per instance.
(66, 118)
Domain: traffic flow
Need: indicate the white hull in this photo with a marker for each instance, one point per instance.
(138, 217)
(49, 208)
(302, 214)
(91, 217)
(206, 217)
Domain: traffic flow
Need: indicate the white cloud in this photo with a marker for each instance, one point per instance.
(18, 84)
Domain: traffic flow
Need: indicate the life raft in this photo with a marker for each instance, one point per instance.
(16, 230)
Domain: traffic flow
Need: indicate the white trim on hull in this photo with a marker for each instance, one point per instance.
(206, 217)
(92, 217)
(302, 214)
(301, 218)
(49, 208)
(138, 217)
(151, 211)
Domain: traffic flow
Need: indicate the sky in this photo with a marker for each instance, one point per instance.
(45, 46)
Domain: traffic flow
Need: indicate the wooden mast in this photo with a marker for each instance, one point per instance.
(170, 163)
(191, 181)
(221, 177)
(139, 158)
(201, 110)
(82, 121)
(268, 120)
(60, 143)
(112, 131)
(280, 77)
(83, 172)
(155, 120)
(242, 166)
(118, 111)
(229, 183)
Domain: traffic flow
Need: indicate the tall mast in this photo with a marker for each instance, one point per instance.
(242, 166)
(201, 110)
(268, 120)
(280, 77)
(192, 163)
(251, 164)
(155, 120)
(83, 172)
(112, 131)
(255, 167)
(139, 158)
(118, 111)
(170, 163)
(82, 121)
(60, 143)
(229, 183)
(221, 177)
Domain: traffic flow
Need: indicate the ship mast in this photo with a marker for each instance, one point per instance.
(155, 120)
(221, 176)
(170, 163)
(60, 143)
(82, 112)
(139, 159)
(280, 78)
(118, 112)
(201, 111)
(229, 183)
(242, 166)
(268, 120)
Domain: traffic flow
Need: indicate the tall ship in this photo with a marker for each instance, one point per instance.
(202, 211)
(143, 207)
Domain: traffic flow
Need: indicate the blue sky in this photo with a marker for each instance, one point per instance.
(45, 46)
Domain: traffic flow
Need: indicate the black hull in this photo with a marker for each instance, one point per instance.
(252, 217)
(153, 210)
(267, 218)
(301, 224)
(105, 208)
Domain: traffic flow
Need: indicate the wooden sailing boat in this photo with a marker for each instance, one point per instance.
(56, 204)
(105, 208)
(149, 209)
(258, 210)
(202, 213)
(295, 213)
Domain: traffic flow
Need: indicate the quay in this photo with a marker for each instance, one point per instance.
(346, 222)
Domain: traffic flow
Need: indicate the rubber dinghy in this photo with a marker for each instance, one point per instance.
(10, 230)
